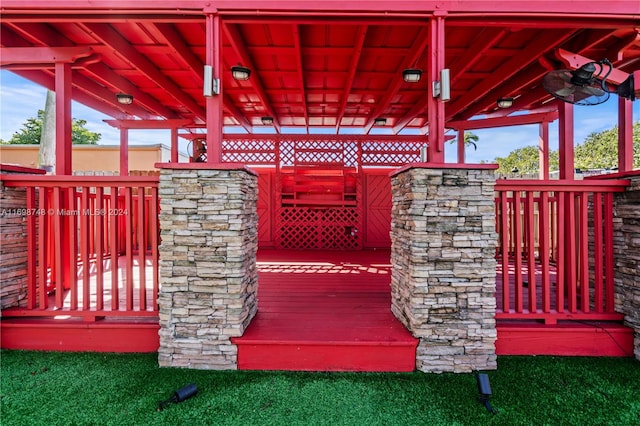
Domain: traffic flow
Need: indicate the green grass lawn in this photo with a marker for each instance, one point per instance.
(46, 388)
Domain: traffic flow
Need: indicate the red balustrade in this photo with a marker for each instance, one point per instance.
(555, 249)
(92, 245)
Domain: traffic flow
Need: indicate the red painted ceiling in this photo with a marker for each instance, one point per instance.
(314, 70)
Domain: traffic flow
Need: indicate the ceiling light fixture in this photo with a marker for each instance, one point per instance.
(266, 120)
(505, 102)
(412, 75)
(124, 98)
(240, 73)
(380, 121)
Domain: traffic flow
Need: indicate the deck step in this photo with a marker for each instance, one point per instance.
(311, 346)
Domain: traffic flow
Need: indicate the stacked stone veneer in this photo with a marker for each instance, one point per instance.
(13, 241)
(208, 274)
(443, 280)
(627, 257)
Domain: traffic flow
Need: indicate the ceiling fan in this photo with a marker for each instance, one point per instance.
(586, 85)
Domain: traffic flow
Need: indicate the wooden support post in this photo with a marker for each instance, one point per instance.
(566, 159)
(63, 118)
(124, 152)
(435, 106)
(461, 146)
(625, 135)
(214, 102)
(174, 145)
(543, 159)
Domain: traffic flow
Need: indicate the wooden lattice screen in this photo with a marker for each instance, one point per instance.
(318, 184)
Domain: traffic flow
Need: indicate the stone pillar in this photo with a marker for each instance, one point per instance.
(627, 255)
(443, 256)
(13, 238)
(208, 274)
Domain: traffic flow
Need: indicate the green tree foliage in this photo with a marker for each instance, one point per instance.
(600, 150)
(525, 160)
(31, 131)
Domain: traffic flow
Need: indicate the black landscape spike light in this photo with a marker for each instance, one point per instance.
(484, 388)
(180, 395)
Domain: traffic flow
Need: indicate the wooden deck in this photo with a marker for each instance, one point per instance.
(318, 310)
(325, 311)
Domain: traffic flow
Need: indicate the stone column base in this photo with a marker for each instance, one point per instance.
(208, 274)
(443, 278)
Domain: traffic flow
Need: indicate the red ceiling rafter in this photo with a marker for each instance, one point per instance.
(355, 53)
(334, 65)
(528, 54)
(43, 33)
(416, 50)
(300, 68)
(47, 81)
(489, 123)
(149, 124)
(234, 36)
(482, 43)
(108, 35)
(236, 113)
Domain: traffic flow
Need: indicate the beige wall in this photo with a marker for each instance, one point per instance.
(104, 158)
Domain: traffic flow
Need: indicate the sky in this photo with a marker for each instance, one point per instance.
(21, 99)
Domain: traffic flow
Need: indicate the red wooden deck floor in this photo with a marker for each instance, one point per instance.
(325, 311)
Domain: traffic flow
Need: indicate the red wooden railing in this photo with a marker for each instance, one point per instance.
(92, 245)
(555, 249)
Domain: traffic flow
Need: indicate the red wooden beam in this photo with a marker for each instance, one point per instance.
(108, 35)
(515, 120)
(237, 42)
(355, 53)
(415, 52)
(99, 71)
(38, 55)
(574, 61)
(149, 124)
(300, 70)
(349, 7)
(46, 80)
(527, 55)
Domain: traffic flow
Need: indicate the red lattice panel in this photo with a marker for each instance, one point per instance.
(390, 153)
(249, 151)
(315, 228)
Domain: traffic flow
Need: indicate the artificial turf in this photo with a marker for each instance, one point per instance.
(49, 388)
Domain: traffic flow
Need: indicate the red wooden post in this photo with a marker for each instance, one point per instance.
(461, 146)
(583, 254)
(517, 248)
(214, 102)
(63, 118)
(174, 145)
(543, 159)
(597, 251)
(504, 242)
(435, 106)
(124, 151)
(31, 248)
(565, 127)
(544, 250)
(99, 245)
(531, 245)
(625, 134)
